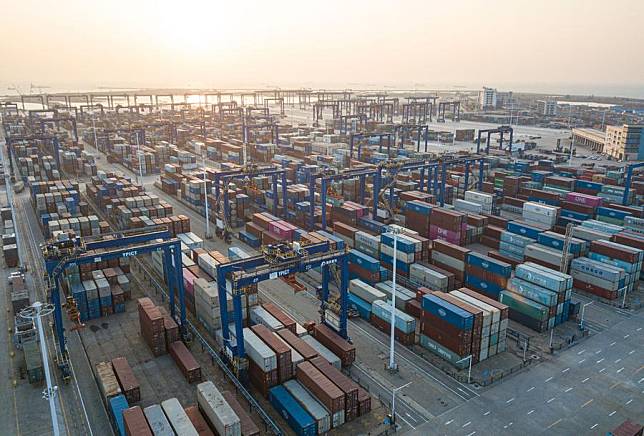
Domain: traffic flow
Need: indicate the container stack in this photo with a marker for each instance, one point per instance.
(127, 380)
(617, 255)
(538, 297)
(448, 225)
(486, 275)
(300, 421)
(334, 342)
(405, 325)
(262, 362)
(446, 329)
(324, 390)
(151, 322)
(364, 267)
(407, 249)
(450, 257)
(431, 276)
(418, 216)
(495, 321)
(282, 352)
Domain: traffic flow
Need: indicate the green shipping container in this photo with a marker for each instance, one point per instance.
(524, 305)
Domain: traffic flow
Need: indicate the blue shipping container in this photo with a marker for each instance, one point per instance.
(365, 261)
(613, 213)
(400, 265)
(533, 292)
(403, 245)
(524, 229)
(117, 405)
(488, 288)
(443, 309)
(298, 419)
(494, 266)
(363, 308)
(544, 279)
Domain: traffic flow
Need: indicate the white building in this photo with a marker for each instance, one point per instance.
(487, 98)
(547, 108)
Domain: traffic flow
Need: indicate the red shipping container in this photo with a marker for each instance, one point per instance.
(135, 422)
(248, 427)
(129, 384)
(198, 421)
(304, 349)
(282, 317)
(185, 361)
(323, 389)
(334, 342)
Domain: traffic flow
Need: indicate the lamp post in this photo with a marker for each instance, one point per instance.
(581, 319)
(205, 186)
(393, 401)
(469, 369)
(392, 363)
(138, 153)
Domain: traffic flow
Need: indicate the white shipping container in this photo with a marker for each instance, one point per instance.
(178, 418)
(479, 197)
(323, 351)
(365, 291)
(217, 410)
(259, 352)
(259, 315)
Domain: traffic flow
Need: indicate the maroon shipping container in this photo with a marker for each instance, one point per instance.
(135, 422)
(304, 349)
(185, 361)
(628, 428)
(498, 256)
(262, 381)
(323, 389)
(453, 275)
(460, 345)
(346, 385)
(344, 230)
(497, 221)
(279, 315)
(541, 262)
(198, 421)
(385, 327)
(627, 254)
(282, 351)
(490, 242)
(364, 402)
(151, 323)
(493, 232)
(487, 300)
(413, 308)
(364, 274)
(334, 342)
(628, 239)
(596, 290)
(576, 207)
(487, 275)
(129, 384)
(170, 326)
(447, 219)
(420, 292)
(248, 427)
(451, 250)
(477, 313)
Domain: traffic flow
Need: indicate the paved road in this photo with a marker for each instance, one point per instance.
(588, 389)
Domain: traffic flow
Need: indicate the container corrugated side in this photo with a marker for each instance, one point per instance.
(218, 411)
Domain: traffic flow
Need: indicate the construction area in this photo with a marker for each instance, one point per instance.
(311, 262)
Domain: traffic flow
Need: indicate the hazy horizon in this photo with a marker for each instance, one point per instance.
(560, 47)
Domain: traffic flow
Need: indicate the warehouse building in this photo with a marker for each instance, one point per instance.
(592, 138)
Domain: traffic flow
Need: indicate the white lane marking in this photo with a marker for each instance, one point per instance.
(449, 422)
(467, 423)
(565, 370)
(555, 423)
(618, 360)
(486, 413)
(612, 413)
(551, 400)
(641, 380)
(629, 402)
(620, 370)
(581, 352)
(510, 400)
(548, 379)
(631, 352)
(598, 351)
(612, 343)
(582, 361)
(531, 412)
(601, 360)
(472, 434)
(639, 328)
(626, 336)
(568, 390)
(532, 388)
(585, 380)
(594, 426)
(587, 402)
(602, 370)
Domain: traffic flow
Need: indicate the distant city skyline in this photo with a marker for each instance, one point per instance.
(578, 47)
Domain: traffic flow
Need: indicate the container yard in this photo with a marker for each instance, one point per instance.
(229, 270)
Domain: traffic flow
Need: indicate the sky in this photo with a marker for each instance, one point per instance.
(591, 45)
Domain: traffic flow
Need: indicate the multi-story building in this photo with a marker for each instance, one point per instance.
(547, 108)
(625, 142)
(591, 138)
(487, 98)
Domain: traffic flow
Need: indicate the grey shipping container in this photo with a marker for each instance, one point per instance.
(323, 351)
(157, 420)
(311, 404)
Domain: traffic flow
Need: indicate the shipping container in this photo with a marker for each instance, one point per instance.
(198, 421)
(297, 417)
(178, 418)
(311, 404)
(157, 420)
(248, 427)
(216, 409)
(135, 422)
(329, 394)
